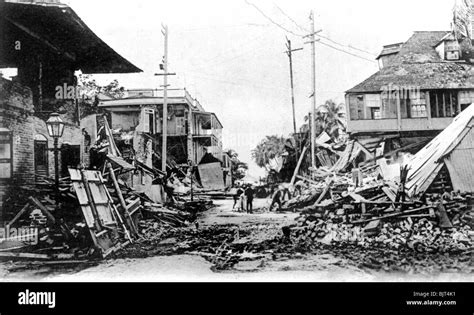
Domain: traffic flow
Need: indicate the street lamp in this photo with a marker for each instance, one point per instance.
(55, 130)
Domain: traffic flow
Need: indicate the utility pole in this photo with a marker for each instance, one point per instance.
(289, 52)
(165, 74)
(313, 110)
(165, 101)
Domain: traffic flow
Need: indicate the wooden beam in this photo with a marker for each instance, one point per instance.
(121, 199)
(295, 173)
(19, 214)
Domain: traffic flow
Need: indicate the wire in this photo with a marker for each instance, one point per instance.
(291, 19)
(271, 20)
(349, 46)
(345, 51)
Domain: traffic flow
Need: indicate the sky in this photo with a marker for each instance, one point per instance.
(229, 54)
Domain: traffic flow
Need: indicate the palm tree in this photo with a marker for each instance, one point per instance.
(330, 118)
(268, 149)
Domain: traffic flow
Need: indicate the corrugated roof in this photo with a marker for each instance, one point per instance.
(418, 64)
(425, 165)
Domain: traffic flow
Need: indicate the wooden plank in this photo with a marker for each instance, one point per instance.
(128, 218)
(19, 214)
(300, 161)
(325, 191)
(392, 215)
(75, 174)
(389, 193)
(117, 213)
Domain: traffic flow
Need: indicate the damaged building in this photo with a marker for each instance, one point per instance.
(46, 42)
(422, 85)
(193, 134)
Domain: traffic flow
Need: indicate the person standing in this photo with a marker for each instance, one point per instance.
(237, 195)
(249, 193)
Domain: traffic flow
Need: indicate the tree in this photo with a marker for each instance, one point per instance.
(330, 118)
(91, 91)
(268, 149)
(239, 168)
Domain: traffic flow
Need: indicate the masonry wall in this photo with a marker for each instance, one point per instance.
(17, 115)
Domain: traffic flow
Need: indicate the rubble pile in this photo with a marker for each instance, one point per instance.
(65, 228)
(371, 217)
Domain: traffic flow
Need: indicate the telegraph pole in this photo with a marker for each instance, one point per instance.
(289, 52)
(165, 101)
(313, 110)
(165, 74)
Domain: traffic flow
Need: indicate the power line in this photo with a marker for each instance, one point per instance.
(322, 36)
(271, 20)
(349, 46)
(290, 18)
(345, 51)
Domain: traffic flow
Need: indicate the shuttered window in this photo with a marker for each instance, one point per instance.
(6, 158)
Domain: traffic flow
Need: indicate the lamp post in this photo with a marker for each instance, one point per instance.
(55, 130)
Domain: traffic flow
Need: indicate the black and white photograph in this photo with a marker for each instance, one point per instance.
(237, 141)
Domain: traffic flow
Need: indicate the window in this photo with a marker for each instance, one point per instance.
(148, 119)
(356, 107)
(452, 50)
(418, 105)
(443, 104)
(375, 113)
(41, 157)
(6, 158)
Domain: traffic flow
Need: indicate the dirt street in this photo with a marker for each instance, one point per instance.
(248, 230)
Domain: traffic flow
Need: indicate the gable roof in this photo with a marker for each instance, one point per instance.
(425, 165)
(418, 64)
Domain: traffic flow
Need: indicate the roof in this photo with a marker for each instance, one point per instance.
(57, 28)
(390, 50)
(425, 165)
(140, 100)
(418, 64)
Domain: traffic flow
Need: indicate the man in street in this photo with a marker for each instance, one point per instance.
(276, 199)
(249, 193)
